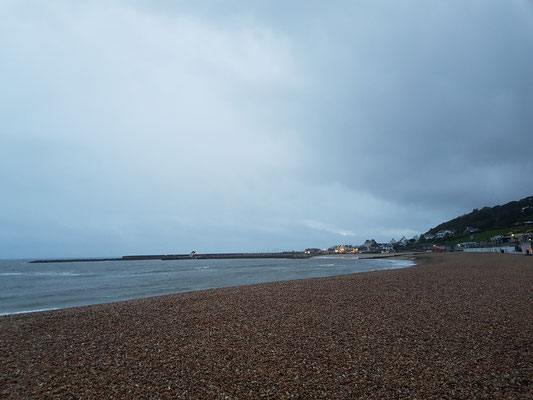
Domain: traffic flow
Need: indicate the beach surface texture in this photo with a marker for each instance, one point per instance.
(456, 326)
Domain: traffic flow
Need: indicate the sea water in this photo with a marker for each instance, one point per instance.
(27, 287)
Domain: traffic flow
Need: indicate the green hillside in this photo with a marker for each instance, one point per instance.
(482, 224)
(486, 235)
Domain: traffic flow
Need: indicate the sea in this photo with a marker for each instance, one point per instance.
(27, 287)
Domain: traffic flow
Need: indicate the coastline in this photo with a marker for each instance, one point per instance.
(33, 288)
(365, 256)
(216, 256)
(456, 325)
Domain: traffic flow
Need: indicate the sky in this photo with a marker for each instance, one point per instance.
(133, 128)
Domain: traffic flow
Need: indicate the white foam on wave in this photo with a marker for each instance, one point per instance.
(66, 273)
(395, 264)
(30, 311)
(40, 273)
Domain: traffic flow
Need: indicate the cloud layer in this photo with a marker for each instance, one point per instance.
(130, 128)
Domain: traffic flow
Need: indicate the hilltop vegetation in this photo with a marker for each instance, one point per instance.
(485, 236)
(484, 223)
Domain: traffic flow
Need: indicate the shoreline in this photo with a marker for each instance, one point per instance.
(455, 325)
(218, 256)
(393, 264)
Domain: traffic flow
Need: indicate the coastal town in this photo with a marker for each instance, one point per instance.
(502, 243)
(506, 228)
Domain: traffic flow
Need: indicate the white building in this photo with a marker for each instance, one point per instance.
(494, 249)
(444, 233)
(386, 247)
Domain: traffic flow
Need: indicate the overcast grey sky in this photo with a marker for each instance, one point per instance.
(130, 128)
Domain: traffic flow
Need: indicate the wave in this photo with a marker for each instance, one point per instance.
(46, 273)
(395, 264)
(402, 263)
(154, 271)
(30, 311)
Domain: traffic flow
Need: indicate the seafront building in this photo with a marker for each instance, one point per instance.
(369, 246)
(512, 243)
(314, 251)
(343, 249)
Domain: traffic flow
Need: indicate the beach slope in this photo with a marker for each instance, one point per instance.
(454, 326)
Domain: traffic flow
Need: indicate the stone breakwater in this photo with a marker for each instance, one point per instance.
(199, 256)
(455, 326)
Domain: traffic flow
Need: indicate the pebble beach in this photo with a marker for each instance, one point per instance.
(455, 326)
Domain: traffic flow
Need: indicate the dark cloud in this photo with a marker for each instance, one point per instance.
(432, 108)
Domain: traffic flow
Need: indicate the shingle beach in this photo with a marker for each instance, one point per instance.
(457, 326)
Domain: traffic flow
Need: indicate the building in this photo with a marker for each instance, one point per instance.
(469, 229)
(466, 245)
(526, 248)
(492, 249)
(313, 251)
(444, 233)
(386, 247)
(369, 246)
